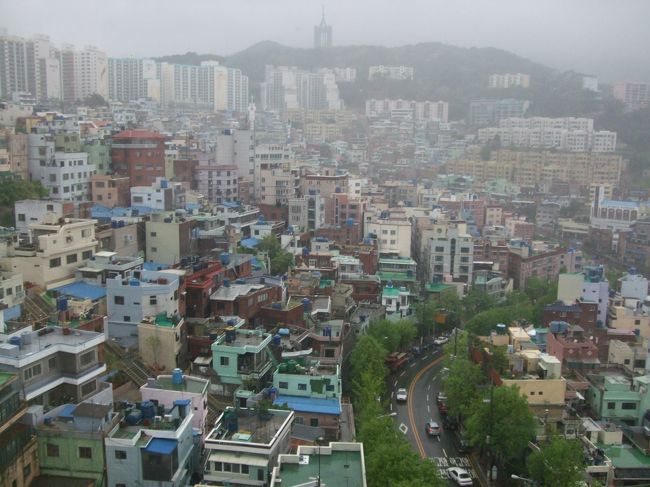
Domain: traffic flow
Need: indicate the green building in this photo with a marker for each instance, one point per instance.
(71, 441)
(614, 397)
(99, 154)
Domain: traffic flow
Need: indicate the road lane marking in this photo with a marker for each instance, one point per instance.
(427, 397)
(391, 406)
(411, 414)
(412, 365)
(428, 409)
(435, 377)
(392, 394)
(403, 428)
(429, 387)
(402, 374)
(444, 453)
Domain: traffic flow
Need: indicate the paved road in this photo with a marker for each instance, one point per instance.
(422, 380)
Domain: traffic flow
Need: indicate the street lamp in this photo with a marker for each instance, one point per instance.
(389, 415)
(318, 441)
(523, 479)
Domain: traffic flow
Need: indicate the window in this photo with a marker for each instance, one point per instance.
(120, 454)
(87, 254)
(153, 234)
(283, 385)
(154, 249)
(34, 371)
(52, 450)
(224, 361)
(71, 258)
(87, 358)
(21, 217)
(611, 405)
(56, 262)
(51, 364)
(153, 299)
(313, 422)
(89, 387)
(85, 452)
(302, 387)
(329, 387)
(118, 299)
(244, 469)
(628, 405)
(27, 470)
(120, 485)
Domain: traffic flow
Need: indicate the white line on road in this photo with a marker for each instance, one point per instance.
(427, 397)
(392, 394)
(444, 452)
(412, 365)
(438, 438)
(391, 406)
(429, 387)
(402, 374)
(395, 384)
(435, 377)
(428, 409)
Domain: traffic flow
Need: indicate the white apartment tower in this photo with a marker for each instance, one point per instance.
(90, 73)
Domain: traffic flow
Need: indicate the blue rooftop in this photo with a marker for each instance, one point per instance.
(620, 204)
(310, 404)
(230, 204)
(67, 411)
(155, 266)
(82, 290)
(250, 243)
(162, 446)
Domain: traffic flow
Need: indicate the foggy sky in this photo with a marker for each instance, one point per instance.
(608, 38)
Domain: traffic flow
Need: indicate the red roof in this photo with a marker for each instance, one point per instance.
(138, 134)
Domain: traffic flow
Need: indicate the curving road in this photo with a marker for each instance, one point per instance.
(421, 378)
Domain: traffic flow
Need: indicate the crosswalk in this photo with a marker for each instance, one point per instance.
(444, 463)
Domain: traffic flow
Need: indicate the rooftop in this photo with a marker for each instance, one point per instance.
(396, 276)
(32, 342)
(6, 377)
(341, 468)
(244, 338)
(310, 404)
(248, 426)
(233, 291)
(194, 385)
(82, 290)
(138, 134)
(625, 456)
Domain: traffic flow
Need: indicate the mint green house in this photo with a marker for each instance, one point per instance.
(616, 397)
(71, 441)
(241, 356)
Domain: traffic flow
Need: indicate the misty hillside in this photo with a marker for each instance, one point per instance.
(442, 72)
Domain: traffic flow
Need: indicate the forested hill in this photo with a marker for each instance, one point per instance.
(442, 72)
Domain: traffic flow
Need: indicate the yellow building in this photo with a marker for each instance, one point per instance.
(161, 342)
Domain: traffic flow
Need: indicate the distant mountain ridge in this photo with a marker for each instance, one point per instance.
(442, 72)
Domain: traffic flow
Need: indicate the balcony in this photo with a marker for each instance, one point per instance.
(14, 442)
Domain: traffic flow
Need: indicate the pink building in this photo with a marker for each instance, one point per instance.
(573, 349)
(110, 190)
(165, 389)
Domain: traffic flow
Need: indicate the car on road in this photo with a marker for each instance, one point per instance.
(442, 397)
(462, 445)
(401, 395)
(441, 340)
(460, 476)
(432, 428)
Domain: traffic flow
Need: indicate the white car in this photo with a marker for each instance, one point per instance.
(441, 340)
(401, 395)
(460, 476)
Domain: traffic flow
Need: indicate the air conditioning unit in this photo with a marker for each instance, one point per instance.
(169, 418)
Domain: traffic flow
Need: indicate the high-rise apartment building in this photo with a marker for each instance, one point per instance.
(237, 148)
(90, 73)
(126, 79)
(634, 95)
(286, 88)
(508, 80)
(485, 112)
(419, 110)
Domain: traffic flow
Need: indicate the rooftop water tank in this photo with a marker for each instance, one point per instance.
(225, 258)
(231, 334)
(177, 377)
(277, 340)
(62, 304)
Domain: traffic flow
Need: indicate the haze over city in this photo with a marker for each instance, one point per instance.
(607, 38)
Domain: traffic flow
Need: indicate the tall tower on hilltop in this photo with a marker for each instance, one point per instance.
(322, 34)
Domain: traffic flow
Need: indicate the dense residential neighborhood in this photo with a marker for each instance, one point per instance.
(212, 275)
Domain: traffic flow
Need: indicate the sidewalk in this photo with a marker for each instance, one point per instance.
(480, 475)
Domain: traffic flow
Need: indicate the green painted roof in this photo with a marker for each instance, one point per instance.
(437, 288)
(391, 291)
(6, 377)
(163, 320)
(398, 260)
(625, 456)
(340, 468)
(395, 276)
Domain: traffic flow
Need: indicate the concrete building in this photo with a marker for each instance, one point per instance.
(126, 79)
(162, 195)
(589, 285)
(153, 446)
(633, 285)
(396, 300)
(146, 293)
(390, 72)
(71, 438)
(162, 341)
(54, 363)
(140, 155)
(167, 389)
(218, 183)
(431, 111)
(342, 464)
(237, 148)
(590, 83)
(307, 212)
(55, 252)
(168, 237)
(509, 80)
(634, 95)
(90, 73)
(110, 191)
(524, 263)
(286, 88)
(275, 181)
(244, 446)
(486, 112)
(243, 299)
(449, 253)
(614, 397)
(241, 355)
(19, 464)
(34, 211)
(327, 182)
(392, 231)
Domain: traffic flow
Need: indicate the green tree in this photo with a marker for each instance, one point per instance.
(461, 385)
(12, 190)
(368, 355)
(271, 245)
(486, 321)
(559, 463)
(393, 335)
(280, 259)
(476, 301)
(281, 262)
(95, 101)
(503, 424)
(536, 288)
